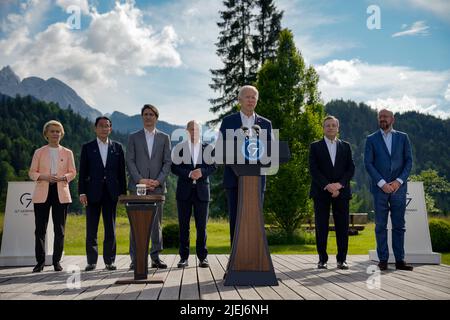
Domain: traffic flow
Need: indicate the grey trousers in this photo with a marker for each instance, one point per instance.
(156, 235)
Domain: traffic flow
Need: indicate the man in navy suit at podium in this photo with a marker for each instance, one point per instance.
(102, 179)
(245, 118)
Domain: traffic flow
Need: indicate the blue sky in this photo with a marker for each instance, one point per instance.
(128, 53)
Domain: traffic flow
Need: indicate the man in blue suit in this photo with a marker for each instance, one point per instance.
(246, 117)
(102, 179)
(388, 160)
(193, 191)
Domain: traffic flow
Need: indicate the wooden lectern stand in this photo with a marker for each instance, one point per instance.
(250, 262)
(141, 211)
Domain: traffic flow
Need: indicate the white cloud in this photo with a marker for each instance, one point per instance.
(447, 93)
(115, 43)
(82, 4)
(340, 73)
(303, 18)
(31, 15)
(419, 28)
(440, 8)
(122, 34)
(397, 87)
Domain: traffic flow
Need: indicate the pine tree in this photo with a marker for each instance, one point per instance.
(235, 49)
(249, 31)
(268, 26)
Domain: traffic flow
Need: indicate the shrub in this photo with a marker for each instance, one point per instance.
(171, 235)
(440, 235)
(278, 236)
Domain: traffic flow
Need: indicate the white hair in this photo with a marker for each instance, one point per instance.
(247, 87)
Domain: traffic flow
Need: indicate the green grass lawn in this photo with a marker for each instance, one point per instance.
(218, 239)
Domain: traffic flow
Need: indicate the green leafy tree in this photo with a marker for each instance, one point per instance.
(289, 97)
(434, 185)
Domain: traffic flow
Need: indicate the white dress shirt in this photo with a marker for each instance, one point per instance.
(195, 153)
(387, 137)
(150, 138)
(54, 155)
(103, 147)
(248, 122)
(332, 148)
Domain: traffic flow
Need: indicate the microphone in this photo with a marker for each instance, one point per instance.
(245, 130)
(257, 129)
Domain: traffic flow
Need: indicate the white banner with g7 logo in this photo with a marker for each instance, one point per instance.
(18, 228)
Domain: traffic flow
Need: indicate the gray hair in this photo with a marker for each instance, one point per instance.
(247, 87)
(330, 117)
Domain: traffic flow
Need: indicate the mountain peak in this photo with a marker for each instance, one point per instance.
(51, 90)
(8, 77)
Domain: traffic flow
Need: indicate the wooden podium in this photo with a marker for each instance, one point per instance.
(141, 211)
(250, 262)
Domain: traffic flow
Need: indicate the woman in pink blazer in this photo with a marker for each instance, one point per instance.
(52, 167)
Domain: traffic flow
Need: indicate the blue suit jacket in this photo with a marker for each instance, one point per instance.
(93, 174)
(233, 121)
(380, 165)
(185, 185)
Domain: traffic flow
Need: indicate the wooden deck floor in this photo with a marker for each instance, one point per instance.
(298, 280)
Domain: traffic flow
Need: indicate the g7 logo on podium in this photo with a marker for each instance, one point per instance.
(253, 149)
(25, 199)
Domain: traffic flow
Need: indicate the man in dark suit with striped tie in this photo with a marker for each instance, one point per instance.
(331, 166)
(193, 192)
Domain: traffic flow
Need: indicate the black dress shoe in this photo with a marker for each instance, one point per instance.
(57, 267)
(90, 267)
(110, 267)
(132, 266)
(322, 265)
(204, 263)
(183, 263)
(383, 265)
(342, 265)
(401, 265)
(158, 264)
(39, 267)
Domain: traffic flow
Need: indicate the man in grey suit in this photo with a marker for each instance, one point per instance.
(148, 161)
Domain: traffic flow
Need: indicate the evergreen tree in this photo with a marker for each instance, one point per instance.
(249, 31)
(268, 26)
(290, 98)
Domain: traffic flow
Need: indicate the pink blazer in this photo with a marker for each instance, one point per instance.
(41, 164)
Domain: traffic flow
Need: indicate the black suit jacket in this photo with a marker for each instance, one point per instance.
(185, 186)
(93, 174)
(323, 172)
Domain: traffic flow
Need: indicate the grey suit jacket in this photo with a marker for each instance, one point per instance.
(141, 165)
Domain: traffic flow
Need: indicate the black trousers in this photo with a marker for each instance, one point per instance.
(200, 209)
(107, 208)
(41, 215)
(340, 208)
